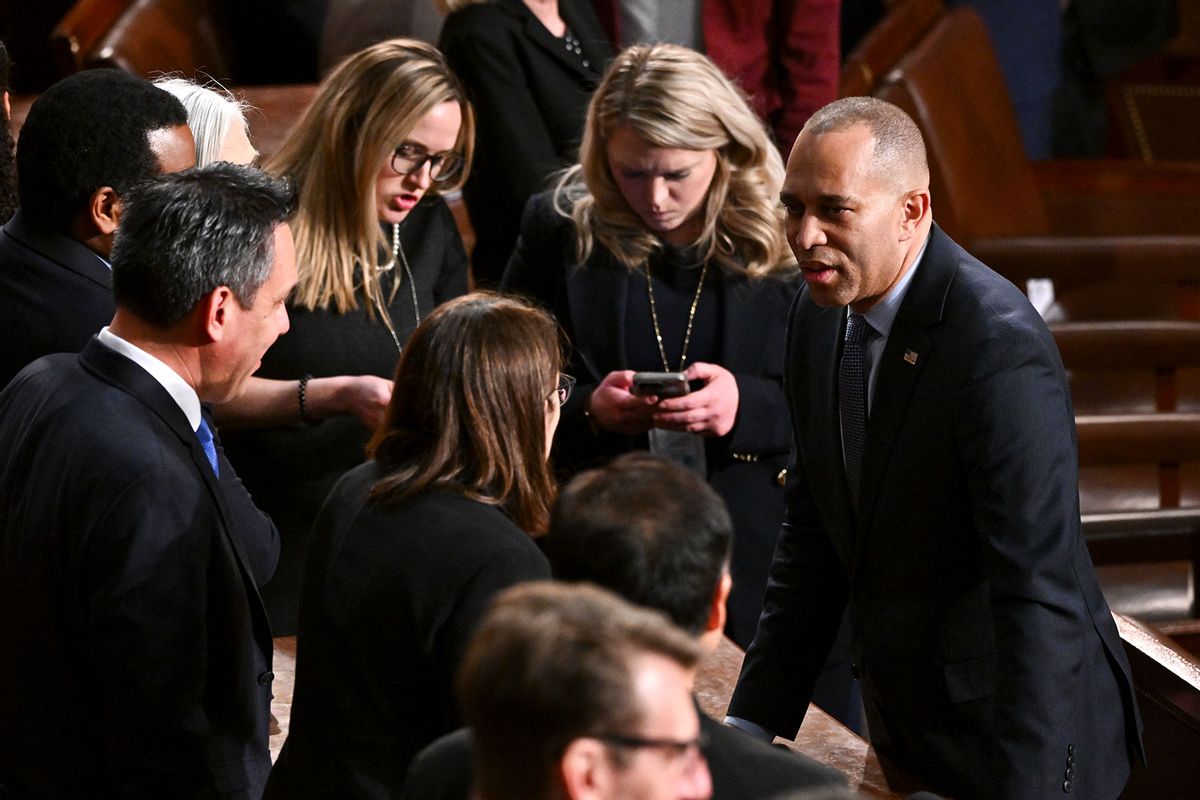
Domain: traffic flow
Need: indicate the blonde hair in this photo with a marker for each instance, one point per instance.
(212, 112)
(674, 97)
(362, 111)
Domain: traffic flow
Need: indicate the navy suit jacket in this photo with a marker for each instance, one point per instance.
(589, 301)
(137, 656)
(989, 660)
(55, 294)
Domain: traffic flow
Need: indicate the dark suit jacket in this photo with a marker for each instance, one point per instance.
(391, 597)
(530, 97)
(137, 654)
(744, 466)
(55, 294)
(987, 654)
(742, 767)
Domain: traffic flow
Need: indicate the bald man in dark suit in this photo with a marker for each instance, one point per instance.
(935, 495)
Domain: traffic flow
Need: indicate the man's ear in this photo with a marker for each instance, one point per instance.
(718, 611)
(914, 210)
(214, 314)
(104, 210)
(587, 771)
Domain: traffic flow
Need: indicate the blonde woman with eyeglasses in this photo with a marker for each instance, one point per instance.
(377, 249)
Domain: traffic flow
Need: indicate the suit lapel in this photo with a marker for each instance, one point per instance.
(908, 349)
(740, 331)
(536, 32)
(114, 368)
(596, 295)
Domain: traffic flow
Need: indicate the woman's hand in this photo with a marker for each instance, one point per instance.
(710, 411)
(613, 407)
(364, 396)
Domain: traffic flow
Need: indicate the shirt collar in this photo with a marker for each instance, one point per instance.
(183, 394)
(881, 315)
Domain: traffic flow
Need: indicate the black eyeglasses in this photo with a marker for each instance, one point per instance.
(410, 158)
(677, 747)
(565, 384)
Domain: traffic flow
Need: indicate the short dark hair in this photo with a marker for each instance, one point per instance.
(899, 145)
(551, 663)
(185, 234)
(87, 131)
(648, 529)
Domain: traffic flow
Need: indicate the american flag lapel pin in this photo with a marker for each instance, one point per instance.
(910, 357)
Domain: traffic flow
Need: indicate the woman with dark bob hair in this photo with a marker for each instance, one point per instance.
(410, 547)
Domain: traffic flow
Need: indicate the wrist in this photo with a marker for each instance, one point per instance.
(304, 400)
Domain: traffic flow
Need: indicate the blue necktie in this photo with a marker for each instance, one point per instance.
(852, 398)
(205, 435)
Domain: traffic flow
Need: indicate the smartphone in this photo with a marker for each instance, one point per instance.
(660, 384)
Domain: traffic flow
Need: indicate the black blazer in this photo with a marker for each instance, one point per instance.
(137, 657)
(391, 597)
(742, 767)
(55, 294)
(989, 661)
(744, 467)
(530, 98)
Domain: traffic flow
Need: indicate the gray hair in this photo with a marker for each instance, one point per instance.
(185, 234)
(212, 112)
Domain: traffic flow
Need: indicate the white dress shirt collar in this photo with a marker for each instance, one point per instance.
(183, 394)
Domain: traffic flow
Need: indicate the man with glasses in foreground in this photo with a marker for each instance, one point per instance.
(574, 693)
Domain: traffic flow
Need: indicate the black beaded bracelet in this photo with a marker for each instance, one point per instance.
(304, 417)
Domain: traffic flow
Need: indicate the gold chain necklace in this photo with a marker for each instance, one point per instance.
(687, 336)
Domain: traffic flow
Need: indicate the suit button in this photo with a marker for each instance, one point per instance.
(1070, 749)
(1070, 761)
(781, 478)
(266, 678)
(1067, 786)
(1070, 773)
(855, 671)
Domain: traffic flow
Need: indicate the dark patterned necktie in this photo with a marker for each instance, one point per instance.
(852, 398)
(205, 435)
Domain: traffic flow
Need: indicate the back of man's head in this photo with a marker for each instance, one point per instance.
(185, 234)
(549, 664)
(88, 131)
(648, 529)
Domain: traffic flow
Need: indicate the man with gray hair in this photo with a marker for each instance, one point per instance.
(137, 655)
(935, 494)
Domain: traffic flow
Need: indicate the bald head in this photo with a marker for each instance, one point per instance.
(899, 155)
